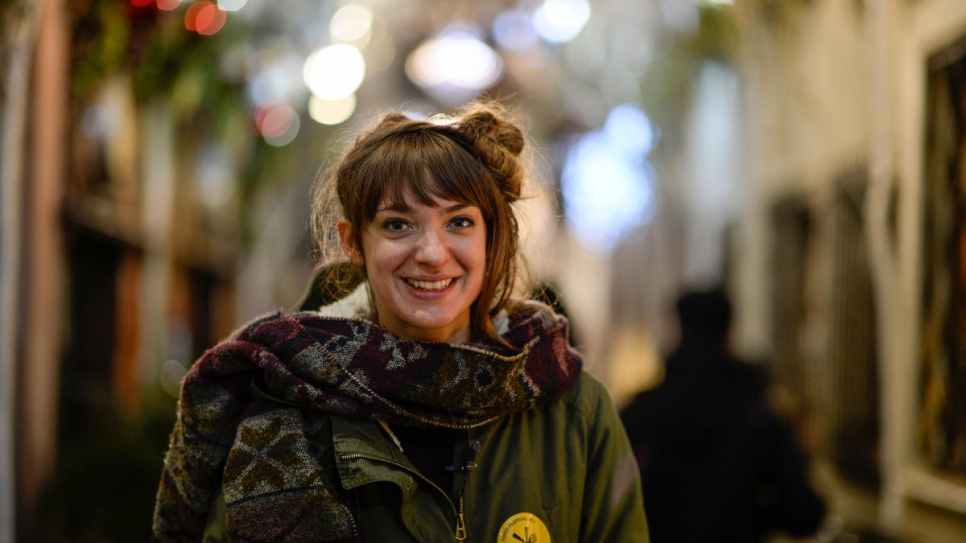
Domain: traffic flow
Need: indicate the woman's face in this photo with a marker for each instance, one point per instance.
(425, 266)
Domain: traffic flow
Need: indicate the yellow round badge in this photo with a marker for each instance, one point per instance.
(523, 528)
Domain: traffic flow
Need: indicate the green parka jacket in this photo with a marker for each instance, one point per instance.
(566, 465)
(557, 469)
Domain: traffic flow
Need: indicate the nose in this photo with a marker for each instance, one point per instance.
(431, 249)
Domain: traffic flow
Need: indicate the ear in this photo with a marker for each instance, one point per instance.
(348, 242)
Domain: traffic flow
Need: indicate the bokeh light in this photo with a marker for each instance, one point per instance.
(168, 5)
(335, 71)
(232, 5)
(607, 182)
(273, 75)
(456, 57)
(352, 24)
(630, 130)
(141, 3)
(331, 112)
(514, 30)
(204, 18)
(560, 21)
(277, 123)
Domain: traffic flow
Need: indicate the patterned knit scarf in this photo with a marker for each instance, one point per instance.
(273, 459)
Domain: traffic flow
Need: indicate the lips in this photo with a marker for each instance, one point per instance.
(430, 285)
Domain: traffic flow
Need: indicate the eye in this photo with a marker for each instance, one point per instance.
(395, 225)
(462, 222)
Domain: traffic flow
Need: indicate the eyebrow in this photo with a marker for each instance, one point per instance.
(402, 207)
(455, 207)
(398, 207)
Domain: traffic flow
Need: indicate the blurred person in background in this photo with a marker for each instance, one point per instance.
(718, 464)
(411, 397)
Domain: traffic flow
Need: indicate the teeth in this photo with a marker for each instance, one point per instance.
(430, 285)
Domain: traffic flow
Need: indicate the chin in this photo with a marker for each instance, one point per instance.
(435, 324)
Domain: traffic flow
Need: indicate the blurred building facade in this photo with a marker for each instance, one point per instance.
(116, 267)
(154, 197)
(851, 269)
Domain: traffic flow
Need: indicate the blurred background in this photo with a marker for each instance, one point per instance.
(157, 156)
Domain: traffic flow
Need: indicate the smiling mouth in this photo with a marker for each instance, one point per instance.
(430, 285)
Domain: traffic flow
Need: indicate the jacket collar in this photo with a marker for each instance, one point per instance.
(365, 454)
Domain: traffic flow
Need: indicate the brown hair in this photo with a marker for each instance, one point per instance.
(473, 157)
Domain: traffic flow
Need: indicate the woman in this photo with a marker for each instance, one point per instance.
(411, 398)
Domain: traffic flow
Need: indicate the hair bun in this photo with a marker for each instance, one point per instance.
(498, 142)
(484, 124)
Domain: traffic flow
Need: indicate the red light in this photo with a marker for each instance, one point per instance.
(204, 18)
(191, 16)
(274, 120)
(211, 20)
(141, 3)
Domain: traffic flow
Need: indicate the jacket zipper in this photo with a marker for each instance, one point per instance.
(460, 524)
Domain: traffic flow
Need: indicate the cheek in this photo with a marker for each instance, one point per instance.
(372, 256)
(481, 254)
(477, 260)
(383, 259)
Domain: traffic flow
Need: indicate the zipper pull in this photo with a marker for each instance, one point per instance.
(460, 524)
(460, 529)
